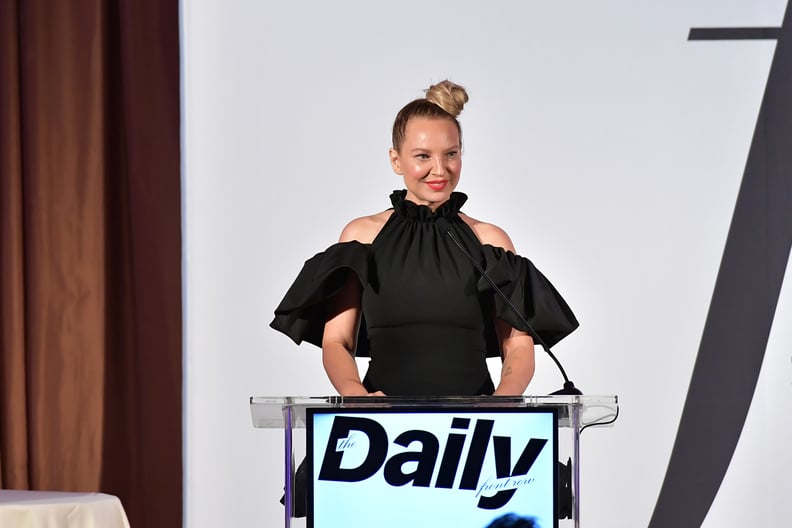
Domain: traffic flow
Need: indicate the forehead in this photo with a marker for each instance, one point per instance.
(431, 131)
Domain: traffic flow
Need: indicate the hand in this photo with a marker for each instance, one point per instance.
(358, 389)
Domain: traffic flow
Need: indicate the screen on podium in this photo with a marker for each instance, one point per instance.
(468, 467)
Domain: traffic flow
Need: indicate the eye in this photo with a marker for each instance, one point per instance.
(453, 154)
(422, 156)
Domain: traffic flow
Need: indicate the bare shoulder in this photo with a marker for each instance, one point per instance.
(365, 228)
(489, 233)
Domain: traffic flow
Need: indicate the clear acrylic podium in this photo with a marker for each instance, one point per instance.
(574, 412)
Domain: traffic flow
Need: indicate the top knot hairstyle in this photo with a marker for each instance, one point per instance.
(444, 100)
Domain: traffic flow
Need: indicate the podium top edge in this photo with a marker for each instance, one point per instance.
(586, 400)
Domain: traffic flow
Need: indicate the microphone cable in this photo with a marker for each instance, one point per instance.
(569, 387)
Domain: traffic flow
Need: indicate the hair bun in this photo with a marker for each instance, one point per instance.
(448, 96)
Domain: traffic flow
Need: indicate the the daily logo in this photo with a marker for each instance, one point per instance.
(358, 447)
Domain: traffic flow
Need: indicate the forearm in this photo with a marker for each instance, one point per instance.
(338, 341)
(342, 370)
(516, 372)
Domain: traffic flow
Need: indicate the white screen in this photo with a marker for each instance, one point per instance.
(439, 468)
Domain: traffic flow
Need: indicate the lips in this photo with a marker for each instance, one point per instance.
(437, 185)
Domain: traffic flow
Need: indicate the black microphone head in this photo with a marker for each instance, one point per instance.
(568, 390)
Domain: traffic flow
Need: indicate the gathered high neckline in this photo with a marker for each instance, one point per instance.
(422, 213)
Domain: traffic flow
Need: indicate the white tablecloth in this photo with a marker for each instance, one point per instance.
(56, 509)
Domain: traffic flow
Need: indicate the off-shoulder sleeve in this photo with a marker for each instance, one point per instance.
(302, 312)
(529, 291)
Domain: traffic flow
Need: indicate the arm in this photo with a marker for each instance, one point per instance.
(517, 354)
(338, 341)
(517, 347)
(343, 321)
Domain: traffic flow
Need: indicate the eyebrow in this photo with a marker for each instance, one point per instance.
(418, 149)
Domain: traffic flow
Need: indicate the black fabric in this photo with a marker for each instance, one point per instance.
(428, 316)
(302, 312)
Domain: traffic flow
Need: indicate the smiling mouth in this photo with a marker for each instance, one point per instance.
(437, 185)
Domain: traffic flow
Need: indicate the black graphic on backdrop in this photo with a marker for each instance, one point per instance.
(744, 301)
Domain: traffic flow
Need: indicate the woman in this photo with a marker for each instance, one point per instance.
(397, 288)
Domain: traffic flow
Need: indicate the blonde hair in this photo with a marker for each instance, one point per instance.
(444, 100)
(448, 96)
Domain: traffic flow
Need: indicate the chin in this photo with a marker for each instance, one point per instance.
(428, 196)
(438, 198)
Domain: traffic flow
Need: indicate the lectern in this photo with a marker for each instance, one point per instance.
(450, 461)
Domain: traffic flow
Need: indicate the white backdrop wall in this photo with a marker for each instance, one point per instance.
(609, 146)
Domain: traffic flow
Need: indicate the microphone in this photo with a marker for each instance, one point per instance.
(569, 387)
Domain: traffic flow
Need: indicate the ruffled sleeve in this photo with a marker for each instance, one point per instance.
(530, 291)
(302, 312)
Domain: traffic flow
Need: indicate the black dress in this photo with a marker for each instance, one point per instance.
(428, 315)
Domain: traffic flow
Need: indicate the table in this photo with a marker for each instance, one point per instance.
(58, 509)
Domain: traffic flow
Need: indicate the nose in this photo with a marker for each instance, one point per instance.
(438, 167)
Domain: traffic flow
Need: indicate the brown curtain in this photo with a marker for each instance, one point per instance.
(90, 252)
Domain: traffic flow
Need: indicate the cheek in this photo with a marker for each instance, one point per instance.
(415, 171)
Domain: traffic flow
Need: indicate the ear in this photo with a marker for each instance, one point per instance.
(395, 161)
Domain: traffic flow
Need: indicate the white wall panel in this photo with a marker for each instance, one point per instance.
(607, 145)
